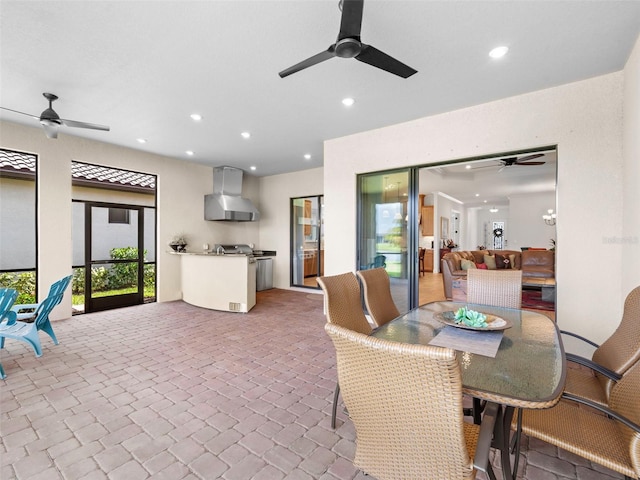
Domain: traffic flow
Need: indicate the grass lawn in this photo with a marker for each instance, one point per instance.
(78, 299)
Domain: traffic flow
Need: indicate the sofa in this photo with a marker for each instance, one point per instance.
(534, 263)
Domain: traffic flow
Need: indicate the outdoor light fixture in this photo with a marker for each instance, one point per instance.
(549, 218)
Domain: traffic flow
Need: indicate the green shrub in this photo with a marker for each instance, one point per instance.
(124, 274)
(149, 276)
(77, 284)
(99, 279)
(23, 282)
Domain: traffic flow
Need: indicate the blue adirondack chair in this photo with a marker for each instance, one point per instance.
(28, 332)
(28, 310)
(7, 297)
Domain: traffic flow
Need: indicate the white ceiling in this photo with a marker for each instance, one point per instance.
(143, 67)
(488, 183)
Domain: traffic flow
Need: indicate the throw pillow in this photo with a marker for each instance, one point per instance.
(502, 261)
(512, 257)
(481, 266)
(467, 264)
(490, 261)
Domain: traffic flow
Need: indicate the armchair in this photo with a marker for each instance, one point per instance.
(605, 434)
(343, 307)
(611, 360)
(406, 404)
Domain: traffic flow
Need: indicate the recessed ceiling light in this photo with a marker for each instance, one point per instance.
(468, 167)
(347, 102)
(189, 152)
(196, 117)
(498, 52)
(245, 135)
(485, 201)
(307, 156)
(493, 210)
(477, 194)
(252, 167)
(142, 140)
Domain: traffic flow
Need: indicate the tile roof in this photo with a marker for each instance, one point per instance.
(26, 162)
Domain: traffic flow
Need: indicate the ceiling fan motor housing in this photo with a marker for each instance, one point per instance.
(50, 117)
(348, 48)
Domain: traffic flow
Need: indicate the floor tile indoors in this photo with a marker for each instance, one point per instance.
(171, 391)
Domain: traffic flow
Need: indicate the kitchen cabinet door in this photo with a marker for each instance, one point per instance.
(427, 221)
(428, 260)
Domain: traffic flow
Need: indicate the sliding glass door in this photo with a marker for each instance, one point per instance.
(387, 232)
(307, 241)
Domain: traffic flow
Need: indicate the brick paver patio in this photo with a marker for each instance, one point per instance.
(171, 391)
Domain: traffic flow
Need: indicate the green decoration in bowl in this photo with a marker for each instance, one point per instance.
(471, 318)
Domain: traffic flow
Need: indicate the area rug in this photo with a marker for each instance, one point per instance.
(533, 299)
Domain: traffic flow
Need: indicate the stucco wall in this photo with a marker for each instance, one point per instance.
(629, 245)
(583, 119)
(275, 196)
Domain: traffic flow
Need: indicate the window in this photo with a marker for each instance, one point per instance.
(119, 215)
(18, 220)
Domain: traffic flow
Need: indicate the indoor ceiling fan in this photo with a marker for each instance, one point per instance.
(522, 161)
(50, 120)
(348, 45)
(511, 161)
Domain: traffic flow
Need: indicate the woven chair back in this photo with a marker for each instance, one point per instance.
(377, 295)
(625, 400)
(499, 288)
(622, 349)
(343, 305)
(406, 404)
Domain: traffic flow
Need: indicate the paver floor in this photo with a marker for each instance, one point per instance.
(172, 391)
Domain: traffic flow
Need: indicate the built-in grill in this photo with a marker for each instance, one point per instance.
(241, 249)
(237, 249)
(264, 262)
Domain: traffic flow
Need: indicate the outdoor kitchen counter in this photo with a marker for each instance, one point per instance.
(219, 282)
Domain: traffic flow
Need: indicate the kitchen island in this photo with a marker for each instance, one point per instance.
(218, 282)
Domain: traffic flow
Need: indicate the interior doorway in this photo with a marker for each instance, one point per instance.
(307, 241)
(494, 202)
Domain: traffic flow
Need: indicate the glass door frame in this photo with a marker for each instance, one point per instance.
(115, 301)
(412, 291)
(295, 256)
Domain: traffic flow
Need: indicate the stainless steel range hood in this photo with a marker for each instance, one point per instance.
(226, 202)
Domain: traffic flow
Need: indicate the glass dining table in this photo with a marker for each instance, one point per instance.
(527, 371)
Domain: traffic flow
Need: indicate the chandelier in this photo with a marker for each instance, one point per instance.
(549, 218)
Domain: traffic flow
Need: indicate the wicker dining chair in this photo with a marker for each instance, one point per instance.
(343, 307)
(611, 360)
(608, 435)
(405, 402)
(377, 295)
(500, 288)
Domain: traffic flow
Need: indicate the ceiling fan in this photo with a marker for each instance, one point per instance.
(348, 45)
(50, 120)
(511, 161)
(522, 161)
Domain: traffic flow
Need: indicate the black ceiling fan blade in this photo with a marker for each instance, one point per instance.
(529, 157)
(309, 62)
(529, 163)
(376, 58)
(351, 21)
(21, 113)
(93, 126)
